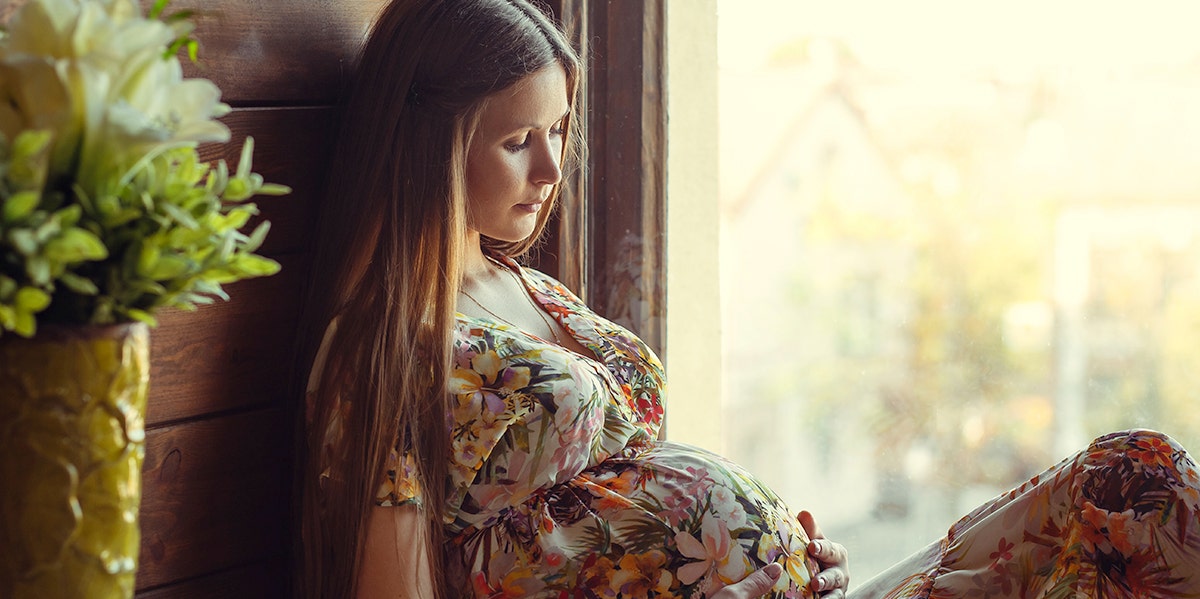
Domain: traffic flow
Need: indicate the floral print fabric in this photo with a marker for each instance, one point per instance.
(559, 488)
(1117, 520)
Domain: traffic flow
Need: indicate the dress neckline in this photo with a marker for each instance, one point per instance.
(533, 293)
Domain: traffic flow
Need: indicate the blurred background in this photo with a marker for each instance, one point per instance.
(958, 241)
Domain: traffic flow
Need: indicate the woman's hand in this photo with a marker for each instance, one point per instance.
(833, 580)
(753, 586)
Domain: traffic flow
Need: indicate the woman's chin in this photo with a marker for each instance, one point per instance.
(510, 236)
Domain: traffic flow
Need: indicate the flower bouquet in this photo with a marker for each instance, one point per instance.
(107, 214)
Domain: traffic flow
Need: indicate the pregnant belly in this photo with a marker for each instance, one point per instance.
(667, 520)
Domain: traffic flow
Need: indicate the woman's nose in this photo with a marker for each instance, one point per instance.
(547, 170)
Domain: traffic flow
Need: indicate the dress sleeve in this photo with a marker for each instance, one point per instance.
(398, 483)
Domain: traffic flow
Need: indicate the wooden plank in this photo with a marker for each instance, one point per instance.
(278, 51)
(216, 494)
(260, 580)
(227, 355)
(627, 171)
(564, 248)
(291, 147)
(272, 51)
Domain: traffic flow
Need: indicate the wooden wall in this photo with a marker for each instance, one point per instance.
(216, 509)
(217, 479)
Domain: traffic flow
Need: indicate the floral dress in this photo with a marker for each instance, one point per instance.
(559, 488)
(1116, 520)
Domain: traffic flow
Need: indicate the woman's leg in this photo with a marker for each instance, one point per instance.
(1118, 519)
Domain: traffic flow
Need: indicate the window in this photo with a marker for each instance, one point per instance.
(957, 242)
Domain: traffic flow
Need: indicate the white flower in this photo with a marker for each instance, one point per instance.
(725, 505)
(31, 96)
(116, 99)
(110, 30)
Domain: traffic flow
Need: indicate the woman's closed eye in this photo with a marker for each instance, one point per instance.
(556, 130)
(517, 146)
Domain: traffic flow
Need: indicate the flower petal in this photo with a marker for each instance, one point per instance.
(689, 546)
(689, 573)
(487, 364)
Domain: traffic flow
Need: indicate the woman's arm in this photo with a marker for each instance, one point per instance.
(394, 562)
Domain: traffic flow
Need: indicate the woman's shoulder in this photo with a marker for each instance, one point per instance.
(545, 283)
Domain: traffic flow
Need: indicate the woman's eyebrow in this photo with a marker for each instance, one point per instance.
(536, 126)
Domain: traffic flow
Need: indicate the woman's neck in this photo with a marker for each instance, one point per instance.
(475, 263)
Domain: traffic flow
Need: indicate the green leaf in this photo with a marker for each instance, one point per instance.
(20, 205)
(24, 241)
(211, 288)
(148, 257)
(158, 8)
(48, 230)
(142, 315)
(78, 284)
(257, 237)
(222, 175)
(238, 217)
(108, 206)
(85, 201)
(30, 143)
(26, 325)
(8, 317)
(31, 300)
(237, 190)
(247, 158)
(256, 266)
(228, 246)
(180, 215)
(67, 217)
(38, 269)
(76, 245)
(169, 267)
(274, 189)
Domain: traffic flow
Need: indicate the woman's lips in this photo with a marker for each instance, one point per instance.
(531, 207)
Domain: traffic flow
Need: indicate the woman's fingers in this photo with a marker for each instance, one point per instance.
(834, 577)
(810, 525)
(753, 586)
(828, 553)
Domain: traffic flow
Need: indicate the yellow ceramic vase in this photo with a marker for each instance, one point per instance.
(72, 439)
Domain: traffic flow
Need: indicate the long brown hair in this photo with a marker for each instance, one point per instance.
(388, 259)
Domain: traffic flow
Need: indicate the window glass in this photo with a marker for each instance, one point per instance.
(958, 240)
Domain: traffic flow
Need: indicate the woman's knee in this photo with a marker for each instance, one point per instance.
(1132, 467)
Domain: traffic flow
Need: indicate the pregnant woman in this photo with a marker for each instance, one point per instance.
(474, 430)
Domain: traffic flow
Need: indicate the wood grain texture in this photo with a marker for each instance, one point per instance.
(228, 355)
(275, 52)
(216, 495)
(272, 52)
(258, 580)
(564, 248)
(626, 185)
(291, 147)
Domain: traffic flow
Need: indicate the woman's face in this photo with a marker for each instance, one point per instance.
(513, 159)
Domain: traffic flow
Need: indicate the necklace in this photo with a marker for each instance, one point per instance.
(541, 313)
